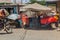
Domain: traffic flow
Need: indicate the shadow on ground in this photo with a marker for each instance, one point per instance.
(6, 33)
(41, 28)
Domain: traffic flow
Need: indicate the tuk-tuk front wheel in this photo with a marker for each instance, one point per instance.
(53, 25)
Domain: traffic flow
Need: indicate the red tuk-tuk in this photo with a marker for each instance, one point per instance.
(49, 20)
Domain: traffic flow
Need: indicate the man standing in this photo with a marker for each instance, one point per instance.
(20, 19)
(25, 20)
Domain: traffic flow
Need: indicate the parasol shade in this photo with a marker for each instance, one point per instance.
(37, 7)
(13, 16)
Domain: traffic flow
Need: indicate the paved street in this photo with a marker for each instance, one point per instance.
(21, 34)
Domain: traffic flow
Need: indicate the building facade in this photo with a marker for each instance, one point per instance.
(58, 6)
(2, 1)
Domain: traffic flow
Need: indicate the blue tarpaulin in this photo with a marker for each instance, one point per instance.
(15, 12)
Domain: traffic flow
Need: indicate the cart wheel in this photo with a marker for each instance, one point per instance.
(53, 25)
(8, 29)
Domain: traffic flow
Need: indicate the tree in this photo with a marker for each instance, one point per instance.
(43, 2)
(33, 1)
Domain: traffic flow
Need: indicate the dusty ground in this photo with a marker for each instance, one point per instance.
(21, 34)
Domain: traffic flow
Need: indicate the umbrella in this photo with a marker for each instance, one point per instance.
(6, 12)
(13, 16)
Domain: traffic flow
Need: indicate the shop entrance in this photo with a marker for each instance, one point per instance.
(10, 10)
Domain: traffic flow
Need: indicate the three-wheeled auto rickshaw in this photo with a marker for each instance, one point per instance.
(50, 20)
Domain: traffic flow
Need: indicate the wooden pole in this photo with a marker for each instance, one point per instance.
(18, 9)
(56, 6)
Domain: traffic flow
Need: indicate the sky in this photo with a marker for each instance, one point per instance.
(24, 1)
